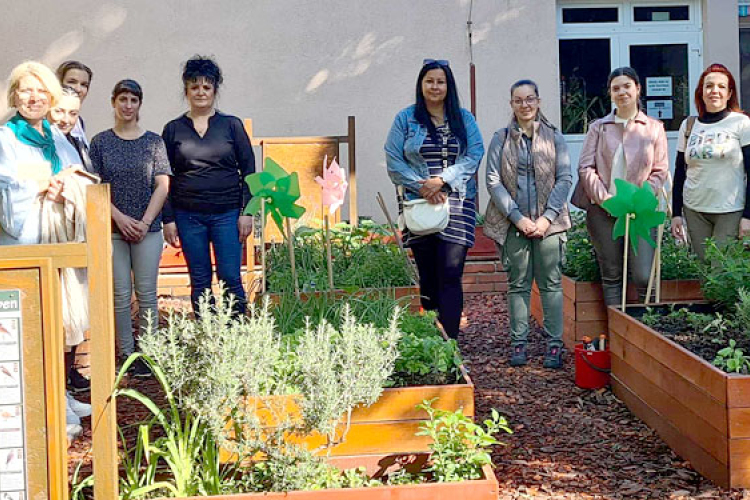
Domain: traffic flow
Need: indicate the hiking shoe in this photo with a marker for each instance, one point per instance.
(139, 369)
(78, 407)
(518, 357)
(553, 358)
(77, 382)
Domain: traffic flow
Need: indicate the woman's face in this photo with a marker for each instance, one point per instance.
(525, 103)
(200, 93)
(434, 86)
(78, 80)
(624, 92)
(65, 114)
(32, 98)
(716, 92)
(126, 107)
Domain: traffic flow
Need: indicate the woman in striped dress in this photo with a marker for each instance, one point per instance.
(432, 152)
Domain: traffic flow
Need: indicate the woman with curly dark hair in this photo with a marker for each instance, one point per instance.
(210, 154)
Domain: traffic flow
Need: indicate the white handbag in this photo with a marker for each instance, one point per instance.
(423, 218)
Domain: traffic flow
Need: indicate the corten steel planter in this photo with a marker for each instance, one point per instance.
(389, 425)
(584, 312)
(480, 489)
(398, 291)
(701, 412)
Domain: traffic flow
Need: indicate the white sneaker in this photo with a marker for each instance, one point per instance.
(73, 431)
(71, 418)
(80, 408)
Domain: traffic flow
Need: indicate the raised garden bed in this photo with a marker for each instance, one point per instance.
(700, 411)
(584, 312)
(376, 466)
(399, 292)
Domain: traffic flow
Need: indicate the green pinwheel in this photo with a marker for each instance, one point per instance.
(279, 189)
(639, 204)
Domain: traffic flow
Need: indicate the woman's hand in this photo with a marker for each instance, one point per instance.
(430, 187)
(171, 236)
(438, 198)
(55, 189)
(245, 225)
(542, 224)
(129, 228)
(678, 229)
(744, 227)
(526, 226)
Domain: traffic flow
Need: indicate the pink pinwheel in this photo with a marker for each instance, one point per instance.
(334, 185)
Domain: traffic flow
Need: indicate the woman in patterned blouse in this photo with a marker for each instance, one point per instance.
(432, 152)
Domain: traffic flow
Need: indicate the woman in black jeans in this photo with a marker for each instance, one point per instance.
(210, 154)
(432, 152)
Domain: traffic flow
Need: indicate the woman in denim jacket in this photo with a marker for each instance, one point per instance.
(432, 152)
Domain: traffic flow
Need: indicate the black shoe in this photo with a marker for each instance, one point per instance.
(139, 369)
(553, 358)
(518, 356)
(77, 382)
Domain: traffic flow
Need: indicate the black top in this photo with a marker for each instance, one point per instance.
(130, 167)
(680, 170)
(209, 171)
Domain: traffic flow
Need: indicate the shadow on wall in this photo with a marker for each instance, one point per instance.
(107, 19)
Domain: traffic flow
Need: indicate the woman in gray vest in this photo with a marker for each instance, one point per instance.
(528, 178)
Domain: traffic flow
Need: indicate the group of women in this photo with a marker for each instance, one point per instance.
(434, 150)
(184, 186)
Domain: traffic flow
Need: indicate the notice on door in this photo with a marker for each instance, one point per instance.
(659, 86)
(661, 109)
(12, 432)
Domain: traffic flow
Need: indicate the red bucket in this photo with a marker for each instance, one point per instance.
(592, 368)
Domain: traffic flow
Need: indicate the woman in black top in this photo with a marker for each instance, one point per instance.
(210, 154)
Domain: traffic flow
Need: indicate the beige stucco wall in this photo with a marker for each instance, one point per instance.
(721, 38)
(296, 67)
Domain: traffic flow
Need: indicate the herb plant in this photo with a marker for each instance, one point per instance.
(732, 359)
(725, 271)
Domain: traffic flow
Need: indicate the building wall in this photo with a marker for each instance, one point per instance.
(721, 40)
(296, 67)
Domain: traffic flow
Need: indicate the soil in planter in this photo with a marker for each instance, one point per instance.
(691, 332)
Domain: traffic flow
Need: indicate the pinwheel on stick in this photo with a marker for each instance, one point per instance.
(636, 212)
(334, 184)
(275, 192)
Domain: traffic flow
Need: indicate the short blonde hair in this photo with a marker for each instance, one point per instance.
(39, 71)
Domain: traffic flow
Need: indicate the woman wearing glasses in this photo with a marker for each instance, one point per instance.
(528, 178)
(626, 144)
(432, 152)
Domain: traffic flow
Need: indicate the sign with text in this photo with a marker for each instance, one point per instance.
(661, 109)
(659, 86)
(13, 484)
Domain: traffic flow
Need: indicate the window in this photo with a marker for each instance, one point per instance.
(661, 14)
(744, 12)
(584, 67)
(582, 15)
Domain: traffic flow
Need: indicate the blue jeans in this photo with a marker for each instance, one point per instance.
(198, 230)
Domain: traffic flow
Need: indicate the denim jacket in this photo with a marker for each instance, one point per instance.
(405, 164)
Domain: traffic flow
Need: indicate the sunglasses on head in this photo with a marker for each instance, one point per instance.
(439, 62)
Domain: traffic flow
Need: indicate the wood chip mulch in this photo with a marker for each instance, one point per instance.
(568, 442)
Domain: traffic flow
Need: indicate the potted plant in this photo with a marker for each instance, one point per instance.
(684, 369)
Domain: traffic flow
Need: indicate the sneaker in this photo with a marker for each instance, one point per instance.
(553, 358)
(79, 408)
(139, 369)
(71, 417)
(73, 431)
(518, 358)
(77, 382)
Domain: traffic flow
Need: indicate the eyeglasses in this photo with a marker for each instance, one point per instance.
(530, 101)
(439, 62)
(26, 93)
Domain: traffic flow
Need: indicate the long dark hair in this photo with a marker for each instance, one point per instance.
(732, 105)
(452, 105)
(630, 73)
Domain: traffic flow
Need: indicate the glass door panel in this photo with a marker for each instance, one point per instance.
(665, 81)
(584, 66)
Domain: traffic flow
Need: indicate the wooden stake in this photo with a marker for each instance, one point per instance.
(625, 263)
(290, 242)
(263, 245)
(328, 253)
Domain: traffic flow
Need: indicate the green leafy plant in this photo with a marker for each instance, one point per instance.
(725, 271)
(429, 360)
(732, 359)
(460, 448)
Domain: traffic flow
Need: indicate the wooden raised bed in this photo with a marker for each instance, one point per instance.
(389, 425)
(399, 292)
(481, 489)
(701, 412)
(584, 312)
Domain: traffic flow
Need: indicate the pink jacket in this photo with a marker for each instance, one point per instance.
(646, 155)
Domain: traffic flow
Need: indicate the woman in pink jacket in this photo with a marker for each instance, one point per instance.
(626, 144)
